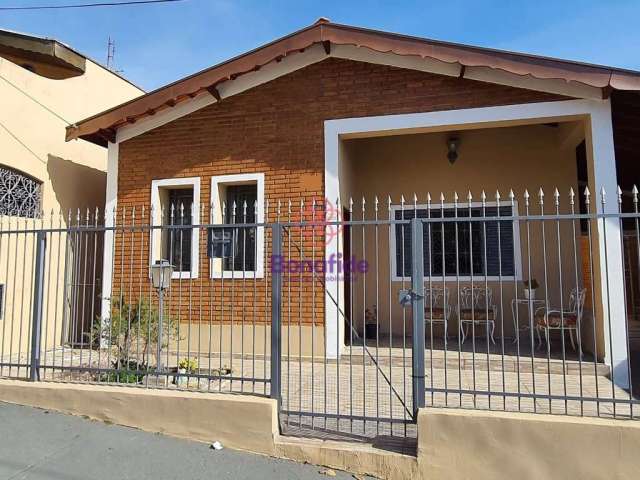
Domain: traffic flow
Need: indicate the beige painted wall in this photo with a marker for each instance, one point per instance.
(195, 339)
(518, 158)
(72, 99)
(467, 444)
(239, 422)
(32, 140)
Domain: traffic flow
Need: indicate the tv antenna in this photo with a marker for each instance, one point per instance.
(111, 53)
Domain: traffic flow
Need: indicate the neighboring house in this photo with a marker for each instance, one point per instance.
(338, 111)
(44, 87)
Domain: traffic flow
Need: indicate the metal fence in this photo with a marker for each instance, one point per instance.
(352, 314)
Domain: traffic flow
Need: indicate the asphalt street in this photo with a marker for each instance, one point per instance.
(37, 444)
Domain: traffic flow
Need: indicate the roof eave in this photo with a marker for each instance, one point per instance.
(541, 68)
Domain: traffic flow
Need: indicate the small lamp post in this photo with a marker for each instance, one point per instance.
(161, 273)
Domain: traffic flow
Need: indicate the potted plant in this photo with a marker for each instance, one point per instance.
(371, 322)
(186, 366)
(530, 287)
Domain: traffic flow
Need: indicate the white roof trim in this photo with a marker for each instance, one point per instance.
(317, 54)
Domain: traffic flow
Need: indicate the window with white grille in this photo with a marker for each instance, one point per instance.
(460, 248)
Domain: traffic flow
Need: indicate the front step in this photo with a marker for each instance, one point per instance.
(355, 457)
(404, 444)
(496, 363)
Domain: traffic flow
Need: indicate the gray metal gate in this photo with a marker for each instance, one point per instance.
(373, 388)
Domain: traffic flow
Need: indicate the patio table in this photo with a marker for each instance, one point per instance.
(515, 304)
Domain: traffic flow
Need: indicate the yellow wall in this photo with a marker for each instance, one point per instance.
(72, 172)
(32, 140)
(518, 158)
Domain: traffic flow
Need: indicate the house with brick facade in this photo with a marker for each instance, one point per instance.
(335, 124)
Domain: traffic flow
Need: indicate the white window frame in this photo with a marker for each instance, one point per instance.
(156, 220)
(216, 208)
(452, 278)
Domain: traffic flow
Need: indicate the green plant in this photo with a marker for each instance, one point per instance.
(190, 366)
(132, 372)
(530, 284)
(132, 330)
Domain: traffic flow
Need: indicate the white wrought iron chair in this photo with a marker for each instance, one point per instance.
(567, 319)
(476, 308)
(437, 308)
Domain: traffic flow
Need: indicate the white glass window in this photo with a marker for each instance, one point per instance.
(238, 200)
(176, 208)
(459, 249)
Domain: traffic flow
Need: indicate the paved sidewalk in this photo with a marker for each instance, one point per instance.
(35, 444)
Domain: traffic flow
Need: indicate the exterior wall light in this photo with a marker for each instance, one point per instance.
(452, 149)
(161, 273)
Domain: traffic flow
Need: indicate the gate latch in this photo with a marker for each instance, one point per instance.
(407, 297)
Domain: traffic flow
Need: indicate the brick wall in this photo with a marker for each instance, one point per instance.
(276, 128)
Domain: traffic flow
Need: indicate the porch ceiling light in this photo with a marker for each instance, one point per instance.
(452, 149)
(161, 272)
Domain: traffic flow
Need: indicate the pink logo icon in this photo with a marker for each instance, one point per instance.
(325, 216)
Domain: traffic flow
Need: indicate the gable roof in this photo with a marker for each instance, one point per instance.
(102, 127)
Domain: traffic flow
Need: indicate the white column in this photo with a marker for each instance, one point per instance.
(109, 209)
(609, 261)
(334, 291)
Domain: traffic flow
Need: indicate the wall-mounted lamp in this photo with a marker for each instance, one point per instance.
(452, 149)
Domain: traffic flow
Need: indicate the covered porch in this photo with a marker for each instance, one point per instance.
(459, 172)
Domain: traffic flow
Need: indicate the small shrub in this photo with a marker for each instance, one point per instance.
(131, 372)
(132, 330)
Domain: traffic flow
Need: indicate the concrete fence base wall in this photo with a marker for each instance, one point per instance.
(239, 422)
(471, 444)
(452, 443)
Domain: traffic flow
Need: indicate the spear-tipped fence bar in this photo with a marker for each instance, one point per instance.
(321, 325)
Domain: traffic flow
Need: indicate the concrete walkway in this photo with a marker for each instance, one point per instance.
(36, 444)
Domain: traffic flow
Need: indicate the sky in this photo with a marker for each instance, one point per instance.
(157, 44)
